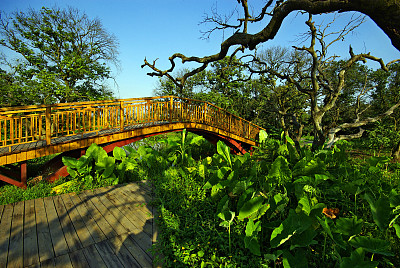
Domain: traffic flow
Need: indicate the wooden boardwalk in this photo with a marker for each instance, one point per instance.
(108, 227)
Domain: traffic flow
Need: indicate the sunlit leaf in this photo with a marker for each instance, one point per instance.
(293, 224)
(224, 151)
(119, 153)
(250, 207)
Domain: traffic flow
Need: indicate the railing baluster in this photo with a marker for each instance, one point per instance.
(48, 125)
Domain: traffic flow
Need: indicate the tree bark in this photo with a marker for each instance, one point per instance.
(332, 138)
(396, 152)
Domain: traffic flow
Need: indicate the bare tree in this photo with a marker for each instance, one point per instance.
(385, 13)
(313, 80)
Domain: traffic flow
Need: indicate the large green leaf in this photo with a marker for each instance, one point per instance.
(305, 204)
(251, 238)
(129, 164)
(119, 153)
(293, 224)
(262, 136)
(96, 152)
(131, 152)
(306, 168)
(223, 204)
(373, 245)
(381, 211)
(303, 239)
(280, 170)
(250, 207)
(394, 198)
(70, 161)
(356, 260)
(397, 228)
(197, 140)
(83, 162)
(299, 260)
(107, 164)
(224, 151)
(349, 226)
(72, 172)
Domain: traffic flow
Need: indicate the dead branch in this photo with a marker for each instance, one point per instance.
(376, 10)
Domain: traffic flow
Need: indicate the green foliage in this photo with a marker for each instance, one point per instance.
(62, 57)
(97, 168)
(264, 209)
(11, 194)
(271, 206)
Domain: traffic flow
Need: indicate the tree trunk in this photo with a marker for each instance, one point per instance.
(396, 152)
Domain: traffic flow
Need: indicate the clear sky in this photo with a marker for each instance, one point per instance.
(158, 28)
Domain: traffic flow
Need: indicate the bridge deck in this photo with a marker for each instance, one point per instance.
(107, 227)
(65, 139)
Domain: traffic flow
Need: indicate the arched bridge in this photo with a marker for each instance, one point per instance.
(29, 132)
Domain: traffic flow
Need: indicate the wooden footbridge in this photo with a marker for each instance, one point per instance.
(30, 132)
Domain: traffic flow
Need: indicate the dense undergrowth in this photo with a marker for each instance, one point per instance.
(267, 209)
(275, 208)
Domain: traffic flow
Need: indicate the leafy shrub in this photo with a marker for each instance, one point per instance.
(268, 210)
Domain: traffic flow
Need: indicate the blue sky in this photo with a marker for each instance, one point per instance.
(159, 28)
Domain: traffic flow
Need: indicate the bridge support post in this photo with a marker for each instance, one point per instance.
(12, 177)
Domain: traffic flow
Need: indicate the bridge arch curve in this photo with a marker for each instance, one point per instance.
(59, 170)
(30, 132)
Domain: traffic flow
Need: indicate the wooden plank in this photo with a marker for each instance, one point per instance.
(142, 258)
(123, 254)
(107, 254)
(93, 257)
(105, 227)
(143, 240)
(5, 231)
(80, 227)
(118, 214)
(47, 263)
(129, 208)
(15, 256)
(11, 158)
(69, 232)
(45, 245)
(87, 218)
(78, 259)
(63, 261)
(60, 245)
(106, 213)
(31, 255)
(21, 156)
(137, 202)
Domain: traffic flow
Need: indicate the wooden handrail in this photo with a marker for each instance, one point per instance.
(26, 124)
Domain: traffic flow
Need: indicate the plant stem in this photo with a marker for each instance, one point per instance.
(323, 252)
(229, 237)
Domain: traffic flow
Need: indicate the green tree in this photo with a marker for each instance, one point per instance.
(385, 95)
(63, 55)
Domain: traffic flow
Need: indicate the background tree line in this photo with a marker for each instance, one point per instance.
(54, 55)
(305, 92)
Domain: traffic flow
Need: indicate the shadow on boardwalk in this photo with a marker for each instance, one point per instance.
(107, 227)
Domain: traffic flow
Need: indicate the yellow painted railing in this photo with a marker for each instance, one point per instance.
(48, 124)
